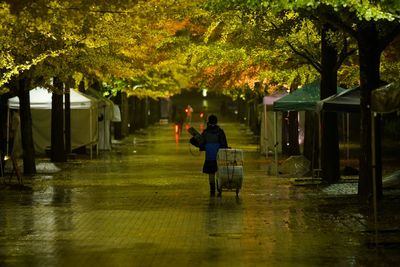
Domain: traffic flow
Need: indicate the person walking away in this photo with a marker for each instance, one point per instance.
(178, 120)
(189, 111)
(213, 139)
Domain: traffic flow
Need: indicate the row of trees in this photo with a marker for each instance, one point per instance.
(156, 48)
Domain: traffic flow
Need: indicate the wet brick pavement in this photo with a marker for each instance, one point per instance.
(146, 203)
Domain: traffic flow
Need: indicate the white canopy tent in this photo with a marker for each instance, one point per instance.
(267, 143)
(84, 123)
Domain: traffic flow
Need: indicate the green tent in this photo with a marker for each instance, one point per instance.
(305, 98)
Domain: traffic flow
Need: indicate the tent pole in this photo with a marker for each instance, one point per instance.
(90, 132)
(275, 143)
(105, 146)
(373, 154)
(8, 130)
(319, 140)
(265, 131)
(348, 135)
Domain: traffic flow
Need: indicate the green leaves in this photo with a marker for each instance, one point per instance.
(173, 44)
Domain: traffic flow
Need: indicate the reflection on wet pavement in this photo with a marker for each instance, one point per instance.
(146, 203)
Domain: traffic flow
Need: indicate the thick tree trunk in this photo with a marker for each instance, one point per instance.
(28, 153)
(57, 124)
(370, 79)
(330, 163)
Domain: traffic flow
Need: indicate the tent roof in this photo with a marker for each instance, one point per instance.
(346, 101)
(305, 98)
(102, 101)
(385, 99)
(270, 99)
(40, 98)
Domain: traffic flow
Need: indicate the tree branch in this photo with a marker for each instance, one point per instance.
(16, 70)
(95, 11)
(344, 53)
(326, 14)
(386, 39)
(307, 55)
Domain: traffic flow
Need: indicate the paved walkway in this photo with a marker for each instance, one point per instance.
(146, 203)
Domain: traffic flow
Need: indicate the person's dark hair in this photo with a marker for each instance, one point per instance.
(212, 119)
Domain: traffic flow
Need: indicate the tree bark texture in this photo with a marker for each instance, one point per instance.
(131, 114)
(330, 162)
(67, 114)
(294, 146)
(117, 125)
(137, 116)
(144, 108)
(368, 44)
(242, 111)
(155, 112)
(57, 124)
(311, 140)
(28, 153)
(124, 115)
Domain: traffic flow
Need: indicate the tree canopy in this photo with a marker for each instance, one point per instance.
(165, 46)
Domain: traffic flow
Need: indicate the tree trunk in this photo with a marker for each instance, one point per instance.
(143, 120)
(57, 124)
(131, 114)
(293, 128)
(370, 79)
(28, 153)
(330, 162)
(124, 115)
(154, 110)
(255, 120)
(67, 112)
(294, 147)
(117, 125)
(285, 133)
(136, 114)
(311, 144)
(242, 111)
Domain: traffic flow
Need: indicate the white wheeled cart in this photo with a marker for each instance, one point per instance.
(230, 170)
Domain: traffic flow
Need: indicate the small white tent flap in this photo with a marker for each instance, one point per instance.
(84, 124)
(267, 143)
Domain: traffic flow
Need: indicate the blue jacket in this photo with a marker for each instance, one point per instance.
(213, 139)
